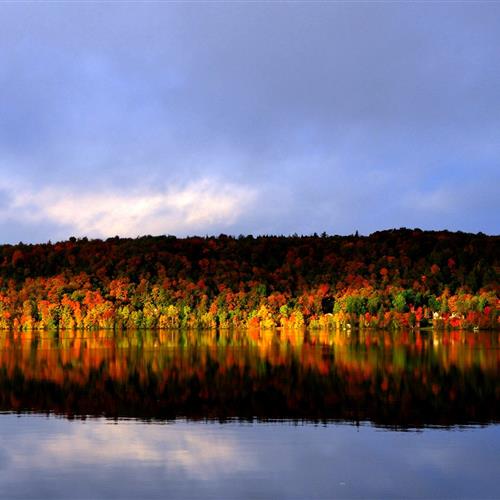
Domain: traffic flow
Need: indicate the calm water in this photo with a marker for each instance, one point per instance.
(322, 415)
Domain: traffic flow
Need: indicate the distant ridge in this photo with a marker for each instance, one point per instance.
(262, 281)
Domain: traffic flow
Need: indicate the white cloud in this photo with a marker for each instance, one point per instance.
(199, 206)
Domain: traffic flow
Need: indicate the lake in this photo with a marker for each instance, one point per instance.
(249, 415)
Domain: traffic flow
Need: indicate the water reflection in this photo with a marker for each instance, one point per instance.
(60, 458)
(391, 379)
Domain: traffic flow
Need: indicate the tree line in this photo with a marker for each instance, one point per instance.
(404, 278)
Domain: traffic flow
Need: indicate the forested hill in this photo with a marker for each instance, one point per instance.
(394, 277)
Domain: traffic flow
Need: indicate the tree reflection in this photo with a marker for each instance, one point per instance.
(390, 378)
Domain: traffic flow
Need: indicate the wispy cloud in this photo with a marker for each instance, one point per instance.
(199, 206)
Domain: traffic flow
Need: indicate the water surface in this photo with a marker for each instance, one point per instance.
(267, 415)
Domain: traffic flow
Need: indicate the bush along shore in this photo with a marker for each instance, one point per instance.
(404, 278)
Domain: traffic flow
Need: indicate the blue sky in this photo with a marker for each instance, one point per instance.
(202, 118)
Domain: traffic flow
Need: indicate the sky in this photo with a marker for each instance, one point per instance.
(264, 118)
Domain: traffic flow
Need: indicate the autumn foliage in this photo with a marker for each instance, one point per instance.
(390, 279)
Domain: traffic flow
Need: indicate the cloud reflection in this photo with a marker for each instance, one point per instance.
(98, 458)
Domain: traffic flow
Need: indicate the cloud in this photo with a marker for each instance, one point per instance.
(196, 207)
(342, 115)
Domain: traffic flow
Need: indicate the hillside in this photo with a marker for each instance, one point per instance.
(394, 278)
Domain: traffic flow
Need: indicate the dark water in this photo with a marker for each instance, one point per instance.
(246, 415)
